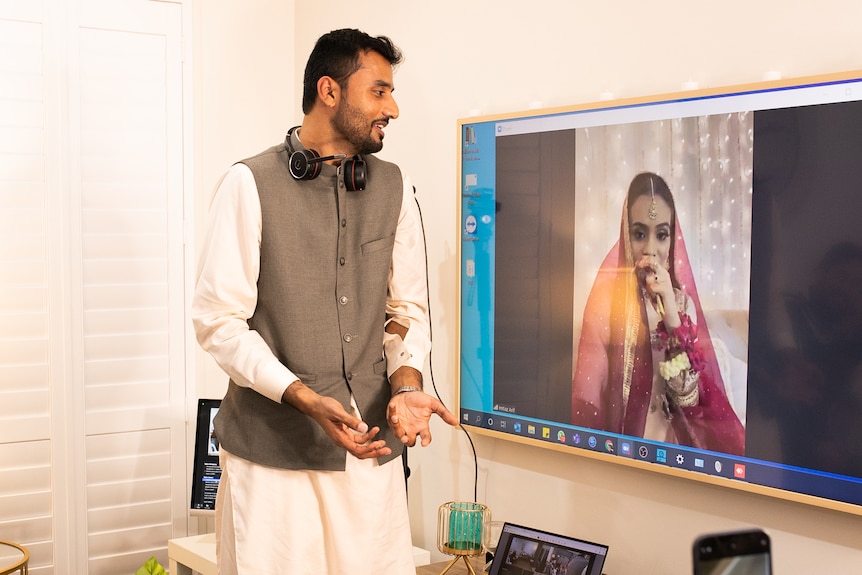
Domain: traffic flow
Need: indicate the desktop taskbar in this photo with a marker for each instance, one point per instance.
(738, 468)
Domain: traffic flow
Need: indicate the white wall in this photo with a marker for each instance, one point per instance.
(492, 57)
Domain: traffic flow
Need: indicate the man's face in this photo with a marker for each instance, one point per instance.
(367, 104)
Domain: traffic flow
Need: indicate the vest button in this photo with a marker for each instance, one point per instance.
(343, 300)
(341, 261)
(343, 223)
(348, 338)
(350, 376)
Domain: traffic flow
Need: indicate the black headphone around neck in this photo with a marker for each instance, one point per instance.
(305, 165)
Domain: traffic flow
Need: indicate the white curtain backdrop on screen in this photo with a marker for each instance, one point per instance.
(707, 162)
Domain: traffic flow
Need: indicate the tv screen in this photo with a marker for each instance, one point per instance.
(206, 472)
(674, 283)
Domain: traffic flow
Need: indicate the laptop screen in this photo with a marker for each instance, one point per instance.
(526, 551)
(206, 472)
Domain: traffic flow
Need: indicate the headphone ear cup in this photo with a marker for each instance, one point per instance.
(354, 174)
(302, 166)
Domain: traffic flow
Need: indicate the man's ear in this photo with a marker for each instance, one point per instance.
(328, 91)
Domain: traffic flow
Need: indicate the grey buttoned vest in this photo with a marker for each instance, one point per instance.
(325, 259)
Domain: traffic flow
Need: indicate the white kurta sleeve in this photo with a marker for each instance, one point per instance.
(226, 289)
(407, 301)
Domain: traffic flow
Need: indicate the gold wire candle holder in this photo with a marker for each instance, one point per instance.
(459, 531)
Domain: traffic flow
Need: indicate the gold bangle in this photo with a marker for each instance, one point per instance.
(687, 393)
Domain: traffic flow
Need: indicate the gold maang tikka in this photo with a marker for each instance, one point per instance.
(652, 213)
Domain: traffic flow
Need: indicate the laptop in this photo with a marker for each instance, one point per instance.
(527, 551)
(206, 472)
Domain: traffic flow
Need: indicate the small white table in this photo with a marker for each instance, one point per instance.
(198, 553)
(195, 553)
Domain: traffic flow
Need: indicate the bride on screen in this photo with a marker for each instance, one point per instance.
(646, 366)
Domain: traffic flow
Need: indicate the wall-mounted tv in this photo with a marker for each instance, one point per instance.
(673, 283)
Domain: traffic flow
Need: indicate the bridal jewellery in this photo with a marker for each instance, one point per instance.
(652, 213)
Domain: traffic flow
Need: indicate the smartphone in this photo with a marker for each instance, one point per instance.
(733, 553)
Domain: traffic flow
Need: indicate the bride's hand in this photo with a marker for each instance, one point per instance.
(655, 279)
(652, 273)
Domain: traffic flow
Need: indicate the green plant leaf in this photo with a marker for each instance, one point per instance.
(151, 567)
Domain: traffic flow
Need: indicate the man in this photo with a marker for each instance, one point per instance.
(312, 298)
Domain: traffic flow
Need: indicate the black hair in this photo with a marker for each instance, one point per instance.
(649, 183)
(336, 54)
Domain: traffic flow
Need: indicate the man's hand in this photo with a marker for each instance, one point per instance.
(408, 415)
(342, 428)
(409, 412)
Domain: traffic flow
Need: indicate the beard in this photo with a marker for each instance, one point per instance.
(356, 129)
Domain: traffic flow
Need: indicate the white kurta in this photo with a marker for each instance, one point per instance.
(279, 521)
(271, 520)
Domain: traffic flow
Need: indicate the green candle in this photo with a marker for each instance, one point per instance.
(465, 526)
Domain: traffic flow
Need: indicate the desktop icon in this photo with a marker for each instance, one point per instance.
(661, 455)
(698, 462)
(561, 436)
(470, 224)
(469, 135)
(643, 451)
(609, 445)
(680, 459)
(576, 438)
(718, 466)
(546, 432)
(517, 427)
(739, 471)
(592, 441)
(531, 429)
(626, 448)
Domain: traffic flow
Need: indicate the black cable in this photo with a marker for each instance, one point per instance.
(430, 357)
